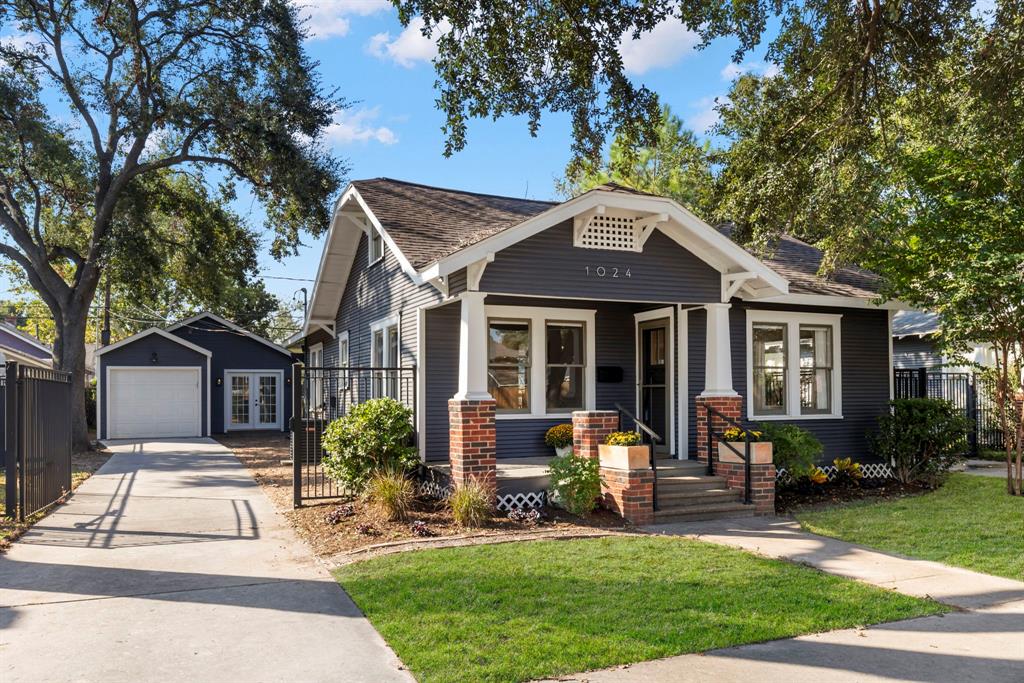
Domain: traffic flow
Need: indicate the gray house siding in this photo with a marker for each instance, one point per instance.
(140, 353)
(9, 340)
(865, 375)
(547, 264)
(915, 352)
(235, 351)
(441, 364)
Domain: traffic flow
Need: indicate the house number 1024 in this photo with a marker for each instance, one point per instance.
(608, 271)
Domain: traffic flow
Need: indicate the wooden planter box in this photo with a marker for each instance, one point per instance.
(760, 452)
(624, 457)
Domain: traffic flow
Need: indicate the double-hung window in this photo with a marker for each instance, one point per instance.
(314, 377)
(376, 245)
(508, 364)
(793, 365)
(384, 348)
(566, 364)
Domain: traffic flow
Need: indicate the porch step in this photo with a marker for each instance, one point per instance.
(674, 483)
(698, 497)
(703, 512)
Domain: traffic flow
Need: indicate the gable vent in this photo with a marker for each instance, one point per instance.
(616, 233)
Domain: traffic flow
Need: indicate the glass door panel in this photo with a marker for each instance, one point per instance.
(268, 400)
(240, 413)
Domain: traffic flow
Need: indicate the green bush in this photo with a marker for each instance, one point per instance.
(471, 503)
(794, 449)
(374, 436)
(390, 494)
(559, 436)
(622, 439)
(576, 482)
(921, 438)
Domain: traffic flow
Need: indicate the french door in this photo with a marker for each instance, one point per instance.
(252, 400)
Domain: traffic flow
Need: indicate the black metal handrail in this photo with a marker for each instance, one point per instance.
(655, 438)
(745, 455)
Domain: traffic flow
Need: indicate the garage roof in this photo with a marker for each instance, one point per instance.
(155, 330)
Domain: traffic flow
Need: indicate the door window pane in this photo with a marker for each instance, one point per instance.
(565, 367)
(508, 365)
(239, 400)
(268, 399)
(815, 370)
(769, 369)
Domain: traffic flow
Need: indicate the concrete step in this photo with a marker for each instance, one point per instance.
(689, 483)
(704, 512)
(673, 499)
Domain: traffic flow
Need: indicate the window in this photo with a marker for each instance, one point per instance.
(565, 367)
(508, 365)
(376, 245)
(793, 365)
(384, 357)
(314, 377)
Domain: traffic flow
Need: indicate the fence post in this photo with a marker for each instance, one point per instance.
(972, 414)
(296, 427)
(12, 401)
(922, 383)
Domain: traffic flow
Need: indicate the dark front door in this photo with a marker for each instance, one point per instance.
(654, 368)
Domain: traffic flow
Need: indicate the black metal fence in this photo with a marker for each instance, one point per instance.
(972, 393)
(321, 395)
(37, 404)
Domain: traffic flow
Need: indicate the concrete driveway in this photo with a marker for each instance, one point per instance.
(170, 564)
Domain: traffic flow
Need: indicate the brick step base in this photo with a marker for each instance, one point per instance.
(710, 511)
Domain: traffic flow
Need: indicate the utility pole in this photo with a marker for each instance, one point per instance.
(105, 335)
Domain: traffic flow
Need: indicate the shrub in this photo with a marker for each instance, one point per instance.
(390, 494)
(373, 436)
(420, 528)
(737, 434)
(559, 436)
(921, 438)
(847, 472)
(471, 503)
(576, 481)
(794, 449)
(815, 475)
(339, 513)
(526, 516)
(622, 439)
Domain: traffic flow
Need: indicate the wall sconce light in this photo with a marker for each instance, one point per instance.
(220, 381)
(154, 359)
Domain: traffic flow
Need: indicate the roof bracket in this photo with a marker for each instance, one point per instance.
(733, 282)
(475, 272)
(581, 221)
(440, 283)
(645, 225)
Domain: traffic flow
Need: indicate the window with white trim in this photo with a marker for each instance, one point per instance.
(566, 367)
(508, 364)
(376, 245)
(316, 383)
(793, 365)
(384, 347)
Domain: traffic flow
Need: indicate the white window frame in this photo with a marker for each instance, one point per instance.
(316, 394)
(793, 321)
(382, 326)
(373, 236)
(343, 358)
(539, 319)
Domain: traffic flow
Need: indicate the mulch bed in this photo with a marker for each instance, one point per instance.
(790, 499)
(357, 527)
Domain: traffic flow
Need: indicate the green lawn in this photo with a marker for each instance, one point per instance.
(970, 522)
(519, 611)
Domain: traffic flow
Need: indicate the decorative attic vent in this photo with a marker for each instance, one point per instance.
(621, 231)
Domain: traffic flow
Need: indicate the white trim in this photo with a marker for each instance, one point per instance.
(343, 337)
(421, 384)
(828, 300)
(154, 330)
(390, 321)
(539, 317)
(372, 232)
(667, 313)
(232, 326)
(793, 320)
(683, 380)
(892, 378)
(196, 368)
(278, 425)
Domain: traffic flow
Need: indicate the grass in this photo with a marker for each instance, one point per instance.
(519, 611)
(970, 522)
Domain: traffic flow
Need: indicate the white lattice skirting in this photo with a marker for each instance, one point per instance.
(434, 489)
(529, 499)
(871, 470)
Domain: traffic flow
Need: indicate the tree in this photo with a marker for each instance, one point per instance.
(678, 166)
(181, 86)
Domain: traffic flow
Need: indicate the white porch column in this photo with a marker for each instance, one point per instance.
(473, 349)
(718, 353)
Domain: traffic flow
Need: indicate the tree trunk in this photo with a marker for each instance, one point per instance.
(69, 355)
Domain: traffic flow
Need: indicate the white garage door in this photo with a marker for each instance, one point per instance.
(152, 402)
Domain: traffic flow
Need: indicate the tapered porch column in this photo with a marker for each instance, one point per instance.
(471, 428)
(718, 391)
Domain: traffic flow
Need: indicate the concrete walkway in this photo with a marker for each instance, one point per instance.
(982, 643)
(169, 564)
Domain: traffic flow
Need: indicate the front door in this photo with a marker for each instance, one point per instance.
(655, 354)
(252, 400)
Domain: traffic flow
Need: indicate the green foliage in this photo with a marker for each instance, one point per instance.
(793, 448)
(373, 437)
(737, 434)
(623, 439)
(576, 482)
(559, 436)
(471, 503)
(848, 472)
(921, 438)
(390, 493)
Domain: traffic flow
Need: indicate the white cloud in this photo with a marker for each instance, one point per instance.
(330, 18)
(25, 41)
(357, 126)
(662, 46)
(704, 115)
(732, 71)
(410, 47)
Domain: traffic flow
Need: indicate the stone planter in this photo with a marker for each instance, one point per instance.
(760, 452)
(563, 451)
(624, 457)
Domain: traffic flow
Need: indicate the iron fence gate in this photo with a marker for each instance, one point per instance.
(37, 438)
(321, 395)
(971, 393)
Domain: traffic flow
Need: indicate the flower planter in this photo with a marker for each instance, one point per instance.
(624, 457)
(760, 452)
(563, 451)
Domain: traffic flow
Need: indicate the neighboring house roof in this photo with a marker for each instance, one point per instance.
(911, 323)
(231, 326)
(13, 338)
(157, 331)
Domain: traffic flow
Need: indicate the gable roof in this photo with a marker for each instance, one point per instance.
(911, 323)
(231, 326)
(161, 333)
(20, 340)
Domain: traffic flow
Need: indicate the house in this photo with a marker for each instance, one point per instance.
(200, 376)
(612, 299)
(915, 344)
(16, 345)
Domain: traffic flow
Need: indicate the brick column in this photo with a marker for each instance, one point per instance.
(730, 406)
(762, 483)
(472, 441)
(630, 493)
(589, 429)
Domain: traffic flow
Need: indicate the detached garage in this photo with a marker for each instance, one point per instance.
(200, 376)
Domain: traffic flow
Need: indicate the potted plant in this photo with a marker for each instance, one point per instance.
(760, 450)
(559, 437)
(623, 451)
